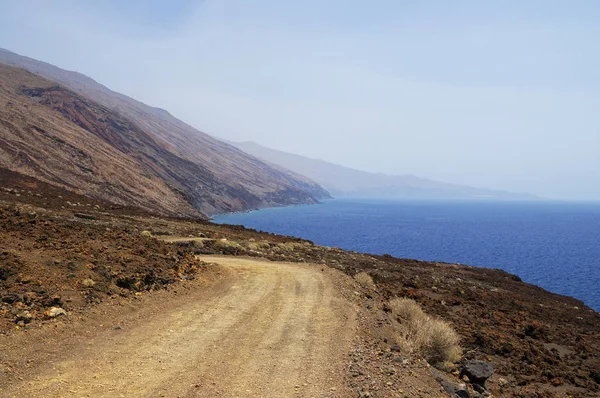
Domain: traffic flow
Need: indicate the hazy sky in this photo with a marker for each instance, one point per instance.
(501, 94)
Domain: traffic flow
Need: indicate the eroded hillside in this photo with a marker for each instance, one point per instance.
(246, 182)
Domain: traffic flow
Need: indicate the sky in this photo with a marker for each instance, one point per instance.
(497, 94)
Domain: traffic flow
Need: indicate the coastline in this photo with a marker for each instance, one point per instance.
(232, 213)
(500, 319)
(319, 228)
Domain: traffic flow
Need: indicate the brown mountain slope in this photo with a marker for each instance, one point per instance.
(52, 133)
(270, 184)
(37, 140)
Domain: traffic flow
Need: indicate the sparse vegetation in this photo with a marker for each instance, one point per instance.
(228, 247)
(364, 280)
(288, 246)
(146, 234)
(88, 283)
(258, 246)
(406, 308)
(421, 333)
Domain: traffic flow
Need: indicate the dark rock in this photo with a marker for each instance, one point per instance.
(452, 388)
(477, 371)
(11, 298)
(24, 317)
(85, 216)
(480, 389)
(595, 375)
(462, 393)
(395, 348)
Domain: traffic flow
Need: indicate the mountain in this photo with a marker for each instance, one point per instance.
(345, 181)
(64, 128)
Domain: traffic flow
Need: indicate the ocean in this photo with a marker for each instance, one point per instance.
(555, 245)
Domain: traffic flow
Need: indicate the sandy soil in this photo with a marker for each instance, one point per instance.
(265, 330)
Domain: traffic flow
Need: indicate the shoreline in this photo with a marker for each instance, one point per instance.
(524, 273)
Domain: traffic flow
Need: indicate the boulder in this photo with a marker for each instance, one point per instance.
(477, 371)
(55, 312)
(24, 317)
(452, 388)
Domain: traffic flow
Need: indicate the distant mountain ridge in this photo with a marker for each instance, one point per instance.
(345, 181)
(62, 124)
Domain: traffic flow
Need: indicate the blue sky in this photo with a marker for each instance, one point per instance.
(502, 94)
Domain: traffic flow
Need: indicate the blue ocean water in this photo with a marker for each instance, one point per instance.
(555, 245)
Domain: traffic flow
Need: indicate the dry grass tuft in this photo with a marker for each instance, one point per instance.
(423, 334)
(364, 280)
(406, 308)
(88, 283)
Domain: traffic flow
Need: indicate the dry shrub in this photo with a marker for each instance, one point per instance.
(198, 244)
(406, 308)
(423, 334)
(228, 247)
(88, 283)
(289, 246)
(364, 280)
(442, 343)
(258, 246)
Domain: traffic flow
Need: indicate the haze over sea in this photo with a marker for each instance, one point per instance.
(555, 245)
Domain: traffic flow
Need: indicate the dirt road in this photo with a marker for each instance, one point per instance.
(269, 330)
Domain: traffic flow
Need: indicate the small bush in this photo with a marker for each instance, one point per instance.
(146, 234)
(406, 308)
(88, 283)
(287, 246)
(364, 280)
(420, 333)
(442, 343)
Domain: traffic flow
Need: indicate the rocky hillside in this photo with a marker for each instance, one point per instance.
(75, 132)
(59, 249)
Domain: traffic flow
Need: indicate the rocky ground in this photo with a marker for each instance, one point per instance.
(63, 252)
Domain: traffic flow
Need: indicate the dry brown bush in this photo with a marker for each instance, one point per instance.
(423, 334)
(406, 308)
(364, 280)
